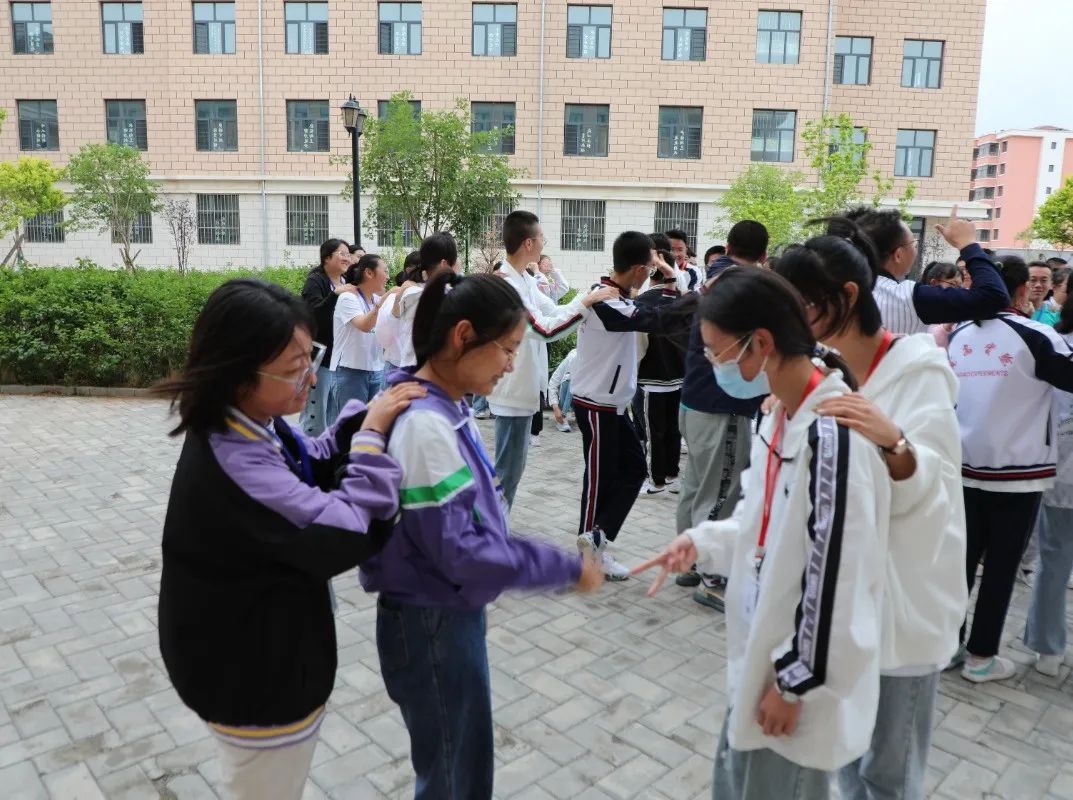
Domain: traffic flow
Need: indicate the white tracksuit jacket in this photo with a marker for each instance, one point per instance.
(926, 598)
(815, 616)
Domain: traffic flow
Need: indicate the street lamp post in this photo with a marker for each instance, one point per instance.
(354, 121)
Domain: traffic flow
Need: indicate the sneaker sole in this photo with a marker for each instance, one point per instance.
(986, 678)
(616, 578)
(706, 599)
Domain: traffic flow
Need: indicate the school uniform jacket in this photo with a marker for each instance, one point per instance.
(926, 598)
(1006, 368)
(814, 617)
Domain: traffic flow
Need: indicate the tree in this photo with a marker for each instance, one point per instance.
(432, 171)
(1054, 220)
(769, 195)
(111, 188)
(180, 220)
(27, 189)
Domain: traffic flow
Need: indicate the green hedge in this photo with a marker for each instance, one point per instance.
(87, 326)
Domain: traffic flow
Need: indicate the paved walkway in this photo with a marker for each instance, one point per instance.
(610, 697)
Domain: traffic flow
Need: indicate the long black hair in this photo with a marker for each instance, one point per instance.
(1065, 317)
(327, 249)
(939, 271)
(489, 303)
(355, 273)
(411, 269)
(245, 323)
(745, 299)
(819, 269)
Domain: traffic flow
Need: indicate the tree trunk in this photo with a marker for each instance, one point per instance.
(15, 248)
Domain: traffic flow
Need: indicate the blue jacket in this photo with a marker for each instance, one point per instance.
(701, 392)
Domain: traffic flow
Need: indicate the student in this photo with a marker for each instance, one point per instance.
(438, 253)
(356, 252)
(386, 329)
(909, 307)
(322, 289)
(603, 385)
(551, 280)
(712, 253)
(1040, 278)
(940, 273)
(1006, 368)
(257, 524)
(357, 358)
(452, 552)
(1045, 632)
(905, 407)
(559, 391)
(517, 397)
(679, 241)
(803, 549)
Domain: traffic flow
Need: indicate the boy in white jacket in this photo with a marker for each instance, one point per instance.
(804, 552)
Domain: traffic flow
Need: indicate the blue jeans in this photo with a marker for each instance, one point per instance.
(566, 400)
(763, 775)
(1046, 629)
(314, 417)
(480, 403)
(435, 667)
(352, 384)
(896, 765)
(512, 448)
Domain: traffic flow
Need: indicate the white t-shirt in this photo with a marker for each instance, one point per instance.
(355, 349)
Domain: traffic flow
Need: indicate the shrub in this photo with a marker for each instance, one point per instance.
(89, 326)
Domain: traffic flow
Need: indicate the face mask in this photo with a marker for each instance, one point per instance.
(728, 376)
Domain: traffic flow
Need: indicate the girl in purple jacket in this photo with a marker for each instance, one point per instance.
(452, 552)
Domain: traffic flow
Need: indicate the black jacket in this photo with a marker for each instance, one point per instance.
(663, 363)
(246, 626)
(321, 298)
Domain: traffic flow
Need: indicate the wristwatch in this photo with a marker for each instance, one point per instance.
(898, 447)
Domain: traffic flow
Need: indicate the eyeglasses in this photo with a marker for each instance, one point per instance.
(302, 380)
(511, 354)
(713, 358)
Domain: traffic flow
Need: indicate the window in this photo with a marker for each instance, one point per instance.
(998, 213)
(588, 31)
(994, 235)
(858, 140)
(217, 124)
(1001, 169)
(1000, 191)
(983, 235)
(32, 27)
(122, 28)
(853, 60)
(914, 153)
(382, 107)
(1054, 146)
(1050, 167)
(392, 228)
(307, 126)
(685, 34)
(214, 28)
(495, 29)
(778, 37)
(992, 149)
(1049, 190)
(217, 219)
(495, 116)
(141, 230)
(975, 153)
(307, 28)
(307, 219)
(400, 29)
(586, 130)
(984, 194)
(773, 135)
(681, 216)
(46, 228)
(39, 125)
(125, 123)
(679, 132)
(922, 64)
(583, 225)
(493, 223)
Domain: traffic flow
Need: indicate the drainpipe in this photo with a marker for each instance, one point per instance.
(540, 122)
(261, 103)
(827, 68)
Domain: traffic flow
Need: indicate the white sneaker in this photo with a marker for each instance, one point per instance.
(613, 570)
(674, 486)
(1049, 665)
(563, 426)
(982, 670)
(650, 489)
(484, 414)
(534, 441)
(587, 544)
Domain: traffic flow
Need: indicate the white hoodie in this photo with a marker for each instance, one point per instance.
(816, 618)
(518, 393)
(926, 596)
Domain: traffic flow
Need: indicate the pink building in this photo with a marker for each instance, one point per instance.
(1013, 172)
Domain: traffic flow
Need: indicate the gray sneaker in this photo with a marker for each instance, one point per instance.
(712, 592)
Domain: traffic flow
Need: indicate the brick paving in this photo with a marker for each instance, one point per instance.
(613, 696)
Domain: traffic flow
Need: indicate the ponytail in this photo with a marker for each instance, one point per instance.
(489, 303)
(832, 359)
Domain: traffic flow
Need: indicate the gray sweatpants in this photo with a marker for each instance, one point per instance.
(718, 452)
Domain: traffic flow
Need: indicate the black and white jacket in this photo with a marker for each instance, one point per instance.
(1007, 369)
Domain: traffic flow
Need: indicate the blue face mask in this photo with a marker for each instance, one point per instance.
(728, 376)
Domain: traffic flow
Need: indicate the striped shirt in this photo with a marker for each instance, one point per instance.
(895, 301)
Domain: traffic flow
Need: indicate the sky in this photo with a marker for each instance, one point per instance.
(1025, 77)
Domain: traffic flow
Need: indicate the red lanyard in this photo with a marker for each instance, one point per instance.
(774, 464)
(884, 346)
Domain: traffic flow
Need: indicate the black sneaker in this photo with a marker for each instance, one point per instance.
(712, 592)
(691, 578)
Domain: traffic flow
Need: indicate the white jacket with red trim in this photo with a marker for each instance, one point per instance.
(1006, 368)
(518, 392)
